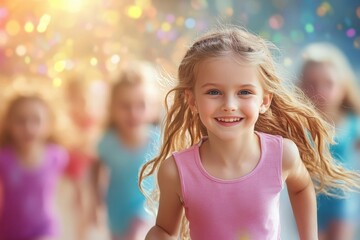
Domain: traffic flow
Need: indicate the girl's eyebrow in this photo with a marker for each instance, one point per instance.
(218, 85)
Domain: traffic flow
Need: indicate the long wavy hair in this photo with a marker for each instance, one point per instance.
(290, 115)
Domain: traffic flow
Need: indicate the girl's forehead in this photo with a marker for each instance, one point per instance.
(29, 105)
(136, 91)
(226, 68)
(132, 88)
(322, 70)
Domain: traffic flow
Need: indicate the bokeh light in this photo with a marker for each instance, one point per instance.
(276, 21)
(351, 32)
(93, 61)
(29, 27)
(309, 28)
(190, 23)
(20, 50)
(57, 82)
(44, 23)
(323, 9)
(60, 66)
(134, 12)
(60, 36)
(12, 27)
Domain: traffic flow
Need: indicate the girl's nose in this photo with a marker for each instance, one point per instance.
(230, 105)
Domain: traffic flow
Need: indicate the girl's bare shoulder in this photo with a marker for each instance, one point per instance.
(290, 155)
(168, 173)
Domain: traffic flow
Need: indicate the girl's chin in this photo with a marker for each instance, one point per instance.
(132, 128)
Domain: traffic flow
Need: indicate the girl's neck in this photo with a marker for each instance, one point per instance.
(228, 153)
(31, 155)
(133, 139)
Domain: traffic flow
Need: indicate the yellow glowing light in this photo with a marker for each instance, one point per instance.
(69, 5)
(29, 27)
(74, 5)
(12, 27)
(60, 66)
(59, 56)
(27, 60)
(20, 50)
(93, 61)
(44, 23)
(134, 12)
(166, 26)
(57, 82)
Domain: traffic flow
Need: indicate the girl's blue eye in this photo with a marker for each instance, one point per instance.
(244, 92)
(213, 92)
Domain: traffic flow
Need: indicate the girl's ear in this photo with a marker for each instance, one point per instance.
(266, 102)
(190, 99)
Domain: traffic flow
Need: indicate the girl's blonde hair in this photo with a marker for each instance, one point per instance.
(132, 73)
(290, 115)
(326, 53)
(54, 132)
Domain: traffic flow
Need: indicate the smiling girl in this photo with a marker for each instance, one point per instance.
(233, 137)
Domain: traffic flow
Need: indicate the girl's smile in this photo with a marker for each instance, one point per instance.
(229, 121)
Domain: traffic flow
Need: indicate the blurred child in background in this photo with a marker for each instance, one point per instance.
(31, 162)
(85, 100)
(130, 138)
(328, 80)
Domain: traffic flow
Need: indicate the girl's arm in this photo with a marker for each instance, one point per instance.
(99, 179)
(170, 206)
(301, 191)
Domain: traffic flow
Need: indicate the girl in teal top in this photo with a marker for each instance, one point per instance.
(330, 83)
(128, 142)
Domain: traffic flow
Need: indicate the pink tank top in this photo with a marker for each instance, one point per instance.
(246, 208)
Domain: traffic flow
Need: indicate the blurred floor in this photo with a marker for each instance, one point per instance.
(70, 221)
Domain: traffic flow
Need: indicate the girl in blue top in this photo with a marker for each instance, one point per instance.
(129, 140)
(330, 83)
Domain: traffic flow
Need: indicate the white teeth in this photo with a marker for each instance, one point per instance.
(228, 119)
